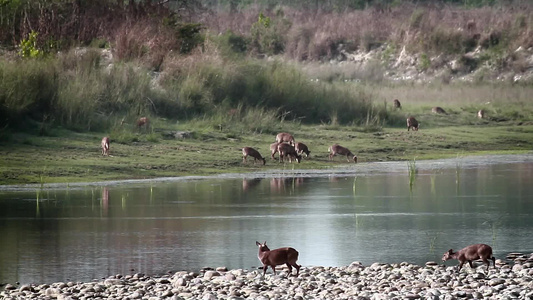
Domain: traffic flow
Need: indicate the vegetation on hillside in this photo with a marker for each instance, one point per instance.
(93, 65)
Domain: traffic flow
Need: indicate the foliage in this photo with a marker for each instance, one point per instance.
(28, 47)
(267, 35)
(424, 62)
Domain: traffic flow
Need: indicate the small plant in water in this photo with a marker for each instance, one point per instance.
(432, 241)
(433, 190)
(354, 186)
(458, 166)
(494, 227)
(411, 165)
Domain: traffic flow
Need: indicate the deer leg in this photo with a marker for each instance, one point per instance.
(265, 267)
(493, 262)
(273, 269)
(243, 159)
(471, 265)
(348, 157)
(460, 266)
(290, 269)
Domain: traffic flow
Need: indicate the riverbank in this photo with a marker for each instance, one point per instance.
(356, 281)
(69, 157)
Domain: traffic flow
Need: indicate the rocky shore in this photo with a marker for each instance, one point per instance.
(356, 281)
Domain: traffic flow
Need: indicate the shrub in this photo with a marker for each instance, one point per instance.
(267, 35)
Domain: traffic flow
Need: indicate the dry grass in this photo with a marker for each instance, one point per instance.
(316, 34)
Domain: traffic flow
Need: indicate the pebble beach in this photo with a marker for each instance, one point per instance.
(511, 279)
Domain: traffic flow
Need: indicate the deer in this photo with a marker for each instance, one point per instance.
(340, 150)
(302, 148)
(481, 114)
(396, 104)
(276, 257)
(412, 123)
(143, 122)
(249, 151)
(285, 137)
(287, 150)
(470, 253)
(273, 149)
(438, 110)
(105, 146)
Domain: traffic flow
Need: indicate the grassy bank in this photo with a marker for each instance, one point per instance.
(66, 156)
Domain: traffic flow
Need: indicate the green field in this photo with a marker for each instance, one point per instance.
(66, 156)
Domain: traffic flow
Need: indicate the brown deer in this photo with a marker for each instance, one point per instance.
(143, 122)
(438, 110)
(286, 150)
(105, 146)
(276, 257)
(273, 149)
(412, 123)
(302, 148)
(470, 253)
(285, 137)
(481, 114)
(249, 151)
(340, 150)
(396, 104)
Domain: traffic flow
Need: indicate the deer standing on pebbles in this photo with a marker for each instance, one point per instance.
(276, 257)
(470, 253)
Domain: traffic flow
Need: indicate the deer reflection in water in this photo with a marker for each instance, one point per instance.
(105, 201)
(248, 184)
(285, 183)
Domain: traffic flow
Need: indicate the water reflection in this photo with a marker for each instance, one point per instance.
(248, 184)
(105, 201)
(285, 184)
(87, 233)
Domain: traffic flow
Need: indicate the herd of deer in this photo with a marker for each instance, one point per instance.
(286, 146)
(288, 256)
(412, 123)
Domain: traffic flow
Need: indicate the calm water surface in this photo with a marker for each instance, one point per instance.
(364, 212)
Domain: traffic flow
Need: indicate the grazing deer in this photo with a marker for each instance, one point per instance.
(438, 110)
(143, 122)
(412, 123)
(273, 149)
(481, 114)
(396, 104)
(286, 150)
(285, 137)
(249, 151)
(340, 150)
(302, 148)
(105, 146)
(276, 257)
(470, 253)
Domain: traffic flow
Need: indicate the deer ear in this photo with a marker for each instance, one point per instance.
(265, 243)
(257, 243)
(450, 251)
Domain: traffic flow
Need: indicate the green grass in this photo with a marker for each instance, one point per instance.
(76, 157)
